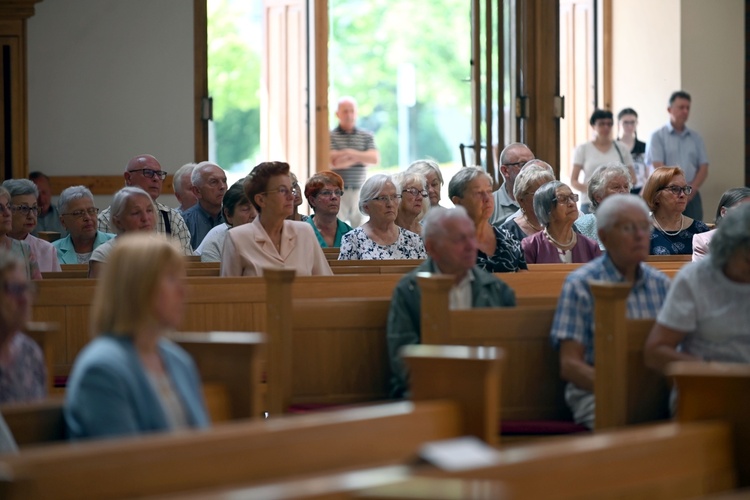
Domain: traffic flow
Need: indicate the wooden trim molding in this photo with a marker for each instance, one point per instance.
(200, 83)
(319, 68)
(98, 184)
(17, 9)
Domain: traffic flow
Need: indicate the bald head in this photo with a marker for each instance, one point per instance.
(512, 158)
(346, 112)
(144, 171)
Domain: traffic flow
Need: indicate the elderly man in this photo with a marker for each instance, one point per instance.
(512, 159)
(451, 244)
(48, 218)
(183, 187)
(624, 230)
(144, 171)
(352, 149)
(209, 185)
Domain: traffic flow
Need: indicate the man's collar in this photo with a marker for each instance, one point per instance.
(673, 130)
(342, 131)
(615, 273)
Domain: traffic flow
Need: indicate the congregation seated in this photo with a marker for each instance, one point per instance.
(23, 204)
(556, 209)
(705, 315)
(20, 249)
(272, 240)
(414, 204)
(451, 244)
(531, 177)
(380, 238)
(624, 229)
(132, 210)
(78, 216)
(610, 178)
(144, 171)
(130, 379)
(237, 211)
(323, 192)
(48, 217)
(22, 370)
(434, 177)
(667, 194)
(499, 251)
(730, 199)
(209, 185)
(182, 185)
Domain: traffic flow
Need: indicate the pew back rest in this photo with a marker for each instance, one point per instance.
(35, 422)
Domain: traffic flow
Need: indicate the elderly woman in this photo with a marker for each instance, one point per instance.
(130, 379)
(23, 203)
(499, 251)
(414, 192)
(531, 178)
(431, 171)
(380, 238)
(20, 249)
(611, 178)
(237, 211)
(590, 155)
(705, 316)
(132, 210)
(730, 199)
(666, 193)
(323, 192)
(272, 240)
(556, 209)
(22, 371)
(78, 217)
(297, 200)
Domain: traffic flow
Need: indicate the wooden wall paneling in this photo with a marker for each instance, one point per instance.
(200, 81)
(319, 128)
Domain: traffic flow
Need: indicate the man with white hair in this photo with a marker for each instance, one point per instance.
(625, 231)
(352, 149)
(209, 185)
(183, 187)
(513, 157)
(451, 243)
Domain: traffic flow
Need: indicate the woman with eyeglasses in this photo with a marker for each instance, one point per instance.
(666, 193)
(556, 209)
(323, 192)
(414, 201)
(23, 203)
(237, 211)
(431, 171)
(272, 240)
(380, 238)
(628, 122)
(499, 251)
(730, 199)
(20, 249)
(78, 217)
(297, 200)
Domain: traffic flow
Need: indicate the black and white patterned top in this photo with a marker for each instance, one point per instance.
(357, 139)
(677, 244)
(508, 256)
(356, 245)
(23, 376)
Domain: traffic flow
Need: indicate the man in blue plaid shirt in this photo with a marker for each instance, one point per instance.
(624, 229)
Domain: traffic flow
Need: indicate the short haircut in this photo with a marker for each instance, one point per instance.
(71, 194)
(317, 182)
(544, 201)
(346, 98)
(120, 201)
(658, 179)
(433, 223)
(513, 146)
(256, 181)
(530, 174)
(21, 187)
(403, 179)
(35, 175)
(457, 185)
(602, 176)
(234, 196)
(732, 235)
(197, 176)
(679, 94)
(372, 187)
(730, 198)
(626, 112)
(177, 178)
(610, 209)
(426, 167)
(600, 114)
(126, 292)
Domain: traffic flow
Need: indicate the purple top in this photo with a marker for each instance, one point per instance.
(538, 249)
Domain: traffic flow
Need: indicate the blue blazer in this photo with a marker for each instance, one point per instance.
(66, 254)
(109, 393)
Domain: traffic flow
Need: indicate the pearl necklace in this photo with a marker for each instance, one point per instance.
(682, 226)
(561, 246)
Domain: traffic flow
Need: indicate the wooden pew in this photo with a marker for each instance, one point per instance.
(35, 422)
(331, 253)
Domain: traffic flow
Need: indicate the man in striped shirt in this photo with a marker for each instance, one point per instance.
(352, 149)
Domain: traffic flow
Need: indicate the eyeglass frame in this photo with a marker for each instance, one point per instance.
(386, 198)
(24, 209)
(161, 174)
(282, 190)
(568, 198)
(17, 290)
(80, 214)
(327, 193)
(414, 192)
(676, 190)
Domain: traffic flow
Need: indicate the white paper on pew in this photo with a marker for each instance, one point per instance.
(459, 454)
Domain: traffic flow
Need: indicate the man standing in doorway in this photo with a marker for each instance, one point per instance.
(676, 145)
(352, 149)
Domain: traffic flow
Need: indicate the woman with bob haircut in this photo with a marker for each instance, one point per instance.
(323, 192)
(731, 198)
(414, 200)
(78, 216)
(131, 379)
(272, 240)
(532, 177)
(666, 193)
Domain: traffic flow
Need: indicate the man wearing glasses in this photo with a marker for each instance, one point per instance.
(512, 158)
(144, 171)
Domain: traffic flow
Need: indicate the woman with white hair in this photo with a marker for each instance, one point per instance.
(531, 178)
(380, 238)
(20, 249)
(414, 198)
(610, 178)
(431, 171)
(78, 217)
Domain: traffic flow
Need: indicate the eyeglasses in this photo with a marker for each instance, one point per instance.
(24, 209)
(283, 191)
(515, 164)
(676, 190)
(631, 228)
(386, 199)
(566, 198)
(150, 173)
(628, 122)
(415, 192)
(80, 214)
(327, 193)
(481, 194)
(19, 290)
